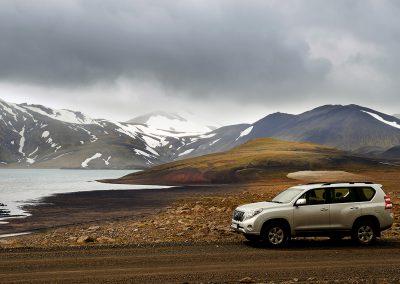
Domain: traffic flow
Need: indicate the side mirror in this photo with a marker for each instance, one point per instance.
(301, 201)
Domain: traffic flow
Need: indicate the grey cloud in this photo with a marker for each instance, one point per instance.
(259, 52)
(191, 48)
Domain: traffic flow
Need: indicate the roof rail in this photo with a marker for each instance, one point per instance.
(336, 182)
(350, 182)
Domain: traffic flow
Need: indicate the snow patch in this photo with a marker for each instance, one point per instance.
(22, 141)
(45, 134)
(107, 162)
(215, 141)
(381, 119)
(86, 162)
(9, 110)
(186, 152)
(142, 153)
(129, 129)
(150, 141)
(61, 155)
(37, 148)
(63, 115)
(175, 124)
(245, 132)
(209, 135)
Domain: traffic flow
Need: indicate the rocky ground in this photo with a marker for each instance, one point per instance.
(206, 218)
(195, 219)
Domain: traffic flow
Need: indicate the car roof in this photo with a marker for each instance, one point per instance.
(335, 184)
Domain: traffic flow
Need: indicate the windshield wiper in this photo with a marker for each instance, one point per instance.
(274, 201)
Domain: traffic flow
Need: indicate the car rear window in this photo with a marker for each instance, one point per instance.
(365, 193)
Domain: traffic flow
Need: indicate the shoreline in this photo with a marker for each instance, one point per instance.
(85, 207)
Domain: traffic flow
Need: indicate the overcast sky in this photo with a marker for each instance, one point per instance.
(229, 61)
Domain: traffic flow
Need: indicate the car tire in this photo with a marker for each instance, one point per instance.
(275, 234)
(364, 232)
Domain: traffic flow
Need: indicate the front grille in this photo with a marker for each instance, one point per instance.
(238, 215)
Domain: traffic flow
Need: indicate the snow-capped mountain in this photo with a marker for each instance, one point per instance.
(396, 115)
(350, 127)
(173, 123)
(37, 136)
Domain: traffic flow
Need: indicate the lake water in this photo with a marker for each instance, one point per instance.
(19, 187)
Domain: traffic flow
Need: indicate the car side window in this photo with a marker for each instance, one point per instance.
(343, 195)
(352, 194)
(315, 196)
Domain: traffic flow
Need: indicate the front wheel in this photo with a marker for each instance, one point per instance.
(275, 234)
(364, 233)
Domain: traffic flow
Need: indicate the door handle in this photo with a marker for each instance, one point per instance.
(324, 209)
(353, 208)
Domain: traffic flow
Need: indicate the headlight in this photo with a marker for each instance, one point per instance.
(251, 214)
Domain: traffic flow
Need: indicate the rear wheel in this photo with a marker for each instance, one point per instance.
(275, 234)
(364, 232)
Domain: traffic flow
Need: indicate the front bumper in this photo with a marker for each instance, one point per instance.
(243, 227)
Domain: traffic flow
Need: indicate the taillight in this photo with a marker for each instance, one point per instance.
(388, 202)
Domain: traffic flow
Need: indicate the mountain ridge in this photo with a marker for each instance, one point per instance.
(33, 135)
(258, 159)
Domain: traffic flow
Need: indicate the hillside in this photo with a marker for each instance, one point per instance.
(346, 127)
(257, 159)
(393, 153)
(36, 136)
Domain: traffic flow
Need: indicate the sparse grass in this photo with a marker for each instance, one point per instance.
(255, 160)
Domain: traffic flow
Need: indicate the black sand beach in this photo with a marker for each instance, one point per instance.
(86, 207)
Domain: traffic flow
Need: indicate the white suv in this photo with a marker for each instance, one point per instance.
(336, 210)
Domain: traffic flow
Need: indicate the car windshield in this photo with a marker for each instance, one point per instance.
(287, 195)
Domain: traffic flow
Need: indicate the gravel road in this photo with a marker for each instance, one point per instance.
(303, 261)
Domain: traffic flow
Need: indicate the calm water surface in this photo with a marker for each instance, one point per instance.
(19, 187)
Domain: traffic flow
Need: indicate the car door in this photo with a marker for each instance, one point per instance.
(345, 207)
(314, 215)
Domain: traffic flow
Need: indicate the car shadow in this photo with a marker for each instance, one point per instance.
(325, 243)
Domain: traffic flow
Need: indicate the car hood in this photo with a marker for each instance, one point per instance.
(259, 205)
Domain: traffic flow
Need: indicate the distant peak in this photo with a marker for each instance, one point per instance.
(172, 122)
(143, 119)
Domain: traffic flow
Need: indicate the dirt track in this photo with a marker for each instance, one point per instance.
(304, 260)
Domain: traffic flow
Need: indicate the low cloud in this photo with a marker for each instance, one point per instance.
(258, 52)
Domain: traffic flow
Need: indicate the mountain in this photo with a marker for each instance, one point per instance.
(349, 127)
(263, 158)
(393, 153)
(173, 122)
(38, 136)
(396, 115)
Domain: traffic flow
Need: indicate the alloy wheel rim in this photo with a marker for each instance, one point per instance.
(275, 236)
(365, 234)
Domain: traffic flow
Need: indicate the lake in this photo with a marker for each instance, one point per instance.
(19, 187)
